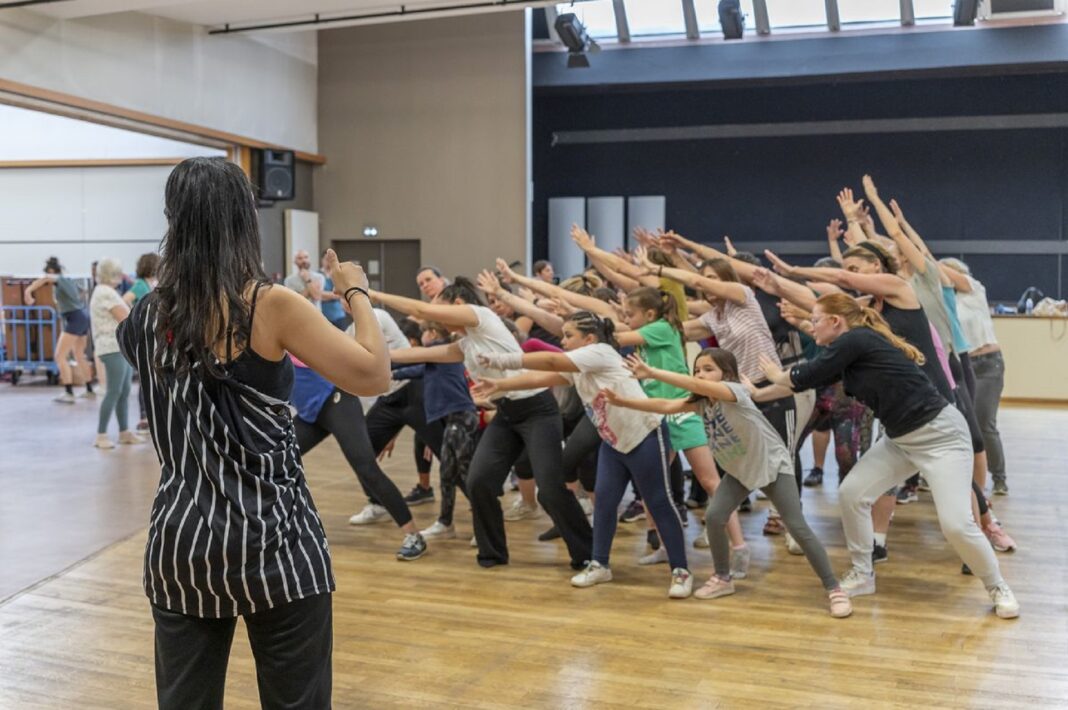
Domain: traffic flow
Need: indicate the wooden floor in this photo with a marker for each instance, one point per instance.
(442, 633)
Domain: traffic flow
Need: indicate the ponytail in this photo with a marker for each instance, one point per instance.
(660, 302)
(604, 329)
(857, 316)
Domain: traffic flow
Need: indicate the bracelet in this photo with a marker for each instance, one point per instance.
(357, 289)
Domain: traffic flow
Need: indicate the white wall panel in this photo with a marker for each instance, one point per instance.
(124, 203)
(567, 258)
(40, 204)
(646, 211)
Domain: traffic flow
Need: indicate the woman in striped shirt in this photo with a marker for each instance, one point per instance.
(233, 529)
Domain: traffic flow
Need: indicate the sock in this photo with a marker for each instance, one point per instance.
(69, 388)
(880, 539)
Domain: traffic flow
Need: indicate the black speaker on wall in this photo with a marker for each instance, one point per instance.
(273, 174)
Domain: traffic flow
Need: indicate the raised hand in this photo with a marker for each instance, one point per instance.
(850, 207)
(507, 275)
(643, 236)
(487, 282)
(345, 273)
(582, 238)
(765, 280)
(834, 230)
(869, 188)
(772, 371)
(638, 367)
(778, 264)
(642, 256)
(896, 208)
(792, 314)
(731, 251)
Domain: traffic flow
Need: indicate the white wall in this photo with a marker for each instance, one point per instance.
(79, 215)
(261, 87)
(32, 135)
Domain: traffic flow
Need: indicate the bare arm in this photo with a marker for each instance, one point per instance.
(586, 303)
(28, 293)
(359, 366)
(618, 279)
(909, 250)
(654, 405)
(712, 390)
(119, 313)
(726, 290)
(313, 289)
(457, 315)
(834, 233)
(792, 291)
(959, 281)
(883, 285)
(488, 388)
(548, 362)
(449, 352)
(694, 329)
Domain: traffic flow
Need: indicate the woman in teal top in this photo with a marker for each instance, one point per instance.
(70, 303)
(147, 264)
(657, 333)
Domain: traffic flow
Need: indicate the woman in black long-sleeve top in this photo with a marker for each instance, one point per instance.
(923, 432)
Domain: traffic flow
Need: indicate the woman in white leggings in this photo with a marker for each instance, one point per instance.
(923, 432)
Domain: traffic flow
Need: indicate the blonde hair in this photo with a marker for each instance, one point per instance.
(583, 284)
(109, 271)
(956, 265)
(858, 316)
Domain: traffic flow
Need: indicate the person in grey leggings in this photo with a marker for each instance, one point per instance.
(116, 398)
(752, 454)
(106, 311)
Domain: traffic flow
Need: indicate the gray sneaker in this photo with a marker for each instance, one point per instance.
(1000, 487)
(413, 547)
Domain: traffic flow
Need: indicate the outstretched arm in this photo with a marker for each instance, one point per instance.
(457, 315)
(908, 250)
(551, 322)
(726, 290)
(586, 303)
(705, 388)
(651, 404)
(449, 352)
(883, 285)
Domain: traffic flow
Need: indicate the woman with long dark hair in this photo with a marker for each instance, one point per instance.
(233, 530)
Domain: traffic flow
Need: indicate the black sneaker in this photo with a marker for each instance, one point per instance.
(420, 495)
(634, 512)
(906, 495)
(746, 506)
(814, 477)
(653, 539)
(413, 547)
(550, 534)
(1000, 488)
(879, 554)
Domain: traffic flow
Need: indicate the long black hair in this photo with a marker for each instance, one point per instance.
(210, 255)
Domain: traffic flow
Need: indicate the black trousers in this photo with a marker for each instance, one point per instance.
(342, 416)
(580, 453)
(533, 423)
(397, 410)
(292, 645)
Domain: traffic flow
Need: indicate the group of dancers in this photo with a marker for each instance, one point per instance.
(494, 365)
(580, 389)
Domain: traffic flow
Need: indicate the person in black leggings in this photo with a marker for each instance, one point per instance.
(324, 410)
(527, 418)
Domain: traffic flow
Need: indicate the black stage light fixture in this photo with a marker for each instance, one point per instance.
(731, 19)
(574, 37)
(964, 12)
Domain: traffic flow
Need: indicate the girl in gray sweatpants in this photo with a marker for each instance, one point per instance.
(752, 454)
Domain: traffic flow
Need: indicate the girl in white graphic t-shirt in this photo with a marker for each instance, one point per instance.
(634, 444)
(748, 448)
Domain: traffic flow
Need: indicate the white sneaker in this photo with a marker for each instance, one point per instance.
(1005, 604)
(371, 513)
(520, 511)
(701, 541)
(595, 573)
(681, 584)
(445, 532)
(655, 557)
(103, 442)
(587, 505)
(128, 437)
(857, 582)
(792, 547)
(474, 541)
(65, 398)
(87, 395)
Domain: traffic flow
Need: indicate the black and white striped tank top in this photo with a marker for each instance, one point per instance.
(233, 528)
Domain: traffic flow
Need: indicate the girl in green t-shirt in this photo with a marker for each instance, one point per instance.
(656, 332)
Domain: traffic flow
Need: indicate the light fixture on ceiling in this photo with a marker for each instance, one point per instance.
(573, 34)
(731, 19)
(369, 230)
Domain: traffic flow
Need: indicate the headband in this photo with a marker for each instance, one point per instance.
(879, 254)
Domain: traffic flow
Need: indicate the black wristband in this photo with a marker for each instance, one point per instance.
(357, 289)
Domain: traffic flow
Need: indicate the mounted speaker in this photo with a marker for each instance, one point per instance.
(273, 175)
